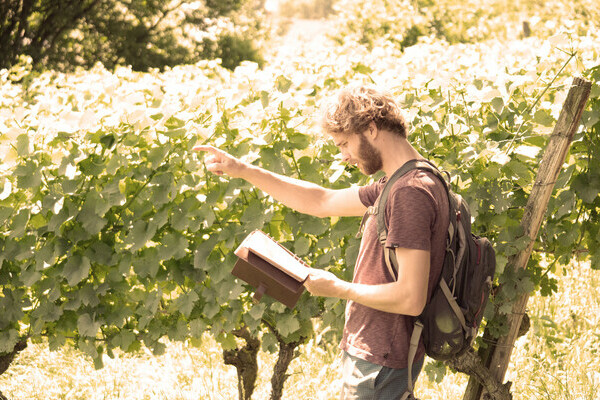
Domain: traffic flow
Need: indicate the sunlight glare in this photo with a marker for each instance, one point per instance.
(271, 6)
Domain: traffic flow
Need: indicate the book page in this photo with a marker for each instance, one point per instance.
(267, 248)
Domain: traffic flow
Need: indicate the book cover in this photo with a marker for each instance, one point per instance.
(270, 268)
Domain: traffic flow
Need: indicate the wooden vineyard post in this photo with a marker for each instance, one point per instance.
(552, 161)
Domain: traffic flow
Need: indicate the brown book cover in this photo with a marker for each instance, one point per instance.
(271, 268)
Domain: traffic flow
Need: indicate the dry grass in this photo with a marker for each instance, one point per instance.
(558, 359)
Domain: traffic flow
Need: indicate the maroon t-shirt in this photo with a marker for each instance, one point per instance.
(417, 217)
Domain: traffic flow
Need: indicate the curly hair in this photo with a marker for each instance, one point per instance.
(353, 110)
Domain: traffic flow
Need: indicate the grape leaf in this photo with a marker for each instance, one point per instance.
(87, 326)
(185, 302)
(287, 324)
(76, 269)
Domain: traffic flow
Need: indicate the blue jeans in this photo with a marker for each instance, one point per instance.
(363, 380)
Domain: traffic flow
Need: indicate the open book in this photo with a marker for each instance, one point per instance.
(270, 268)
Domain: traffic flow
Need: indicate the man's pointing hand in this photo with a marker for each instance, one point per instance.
(220, 162)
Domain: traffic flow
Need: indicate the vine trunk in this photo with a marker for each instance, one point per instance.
(245, 361)
(287, 352)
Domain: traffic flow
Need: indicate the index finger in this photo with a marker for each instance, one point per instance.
(212, 149)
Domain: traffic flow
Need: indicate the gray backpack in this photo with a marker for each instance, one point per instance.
(451, 319)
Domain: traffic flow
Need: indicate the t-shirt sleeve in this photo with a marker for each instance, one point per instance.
(368, 194)
(411, 215)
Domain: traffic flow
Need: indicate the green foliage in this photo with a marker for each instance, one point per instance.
(584, 179)
(309, 9)
(149, 34)
(222, 7)
(232, 50)
(403, 23)
(114, 237)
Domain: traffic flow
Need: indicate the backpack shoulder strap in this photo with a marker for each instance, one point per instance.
(390, 255)
(379, 208)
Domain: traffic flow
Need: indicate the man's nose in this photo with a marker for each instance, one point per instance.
(345, 156)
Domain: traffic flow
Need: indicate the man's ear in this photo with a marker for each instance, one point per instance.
(373, 132)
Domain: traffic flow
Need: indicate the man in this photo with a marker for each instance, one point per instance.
(368, 128)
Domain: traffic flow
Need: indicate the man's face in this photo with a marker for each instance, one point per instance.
(357, 150)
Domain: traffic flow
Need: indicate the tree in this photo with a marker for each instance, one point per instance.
(143, 34)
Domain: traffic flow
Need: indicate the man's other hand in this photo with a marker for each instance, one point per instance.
(324, 283)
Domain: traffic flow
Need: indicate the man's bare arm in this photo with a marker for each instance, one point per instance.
(302, 196)
(407, 295)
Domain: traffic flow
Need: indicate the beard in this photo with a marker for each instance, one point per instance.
(369, 157)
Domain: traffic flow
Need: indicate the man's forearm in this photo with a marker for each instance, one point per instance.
(302, 196)
(388, 297)
(407, 295)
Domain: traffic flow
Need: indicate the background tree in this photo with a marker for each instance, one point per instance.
(143, 34)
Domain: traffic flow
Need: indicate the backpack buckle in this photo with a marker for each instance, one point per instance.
(372, 210)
